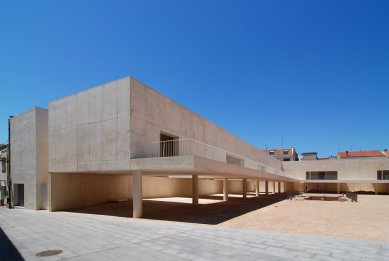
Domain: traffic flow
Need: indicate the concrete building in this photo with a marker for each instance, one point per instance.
(309, 156)
(29, 159)
(125, 141)
(341, 175)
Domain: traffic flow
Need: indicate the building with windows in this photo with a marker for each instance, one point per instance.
(284, 154)
(3, 174)
(125, 141)
(366, 174)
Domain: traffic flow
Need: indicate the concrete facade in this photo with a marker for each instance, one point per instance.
(29, 158)
(108, 125)
(123, 140)
(102, 136)
(95, 125)
(356, 174)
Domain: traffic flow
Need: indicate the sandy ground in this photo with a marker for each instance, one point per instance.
(366, 219)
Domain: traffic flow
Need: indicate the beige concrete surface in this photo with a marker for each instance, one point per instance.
(348, 169)
(366, 219)
(29, 157)
(75, 190)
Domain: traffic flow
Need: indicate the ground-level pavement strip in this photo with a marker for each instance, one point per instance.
(95, 237)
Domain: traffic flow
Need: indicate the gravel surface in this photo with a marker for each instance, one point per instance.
(366, 219)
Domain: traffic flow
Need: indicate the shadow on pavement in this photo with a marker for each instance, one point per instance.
(211, 214)
(7, 250)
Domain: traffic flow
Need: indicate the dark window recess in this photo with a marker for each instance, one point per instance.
(383, 175)
(285, 152)
(3, 166)
(271, 152)
(322, 175)
(169, 146)
(234, 161)
(18, 195)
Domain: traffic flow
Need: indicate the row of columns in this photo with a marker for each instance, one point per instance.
(137, 191)
(244, 188)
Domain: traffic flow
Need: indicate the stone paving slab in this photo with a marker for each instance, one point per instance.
(94, 237)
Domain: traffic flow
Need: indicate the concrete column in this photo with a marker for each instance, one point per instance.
(244, 188)
(195, 189)
(376, 188)
(279, 186)
(137, 194)
(338, 188)
(225, 189)
(267, 187)
(257, 188)
(274, 187)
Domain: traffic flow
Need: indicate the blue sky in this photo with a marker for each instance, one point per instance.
(313, 72)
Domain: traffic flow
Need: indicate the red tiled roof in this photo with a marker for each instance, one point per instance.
(362, 153)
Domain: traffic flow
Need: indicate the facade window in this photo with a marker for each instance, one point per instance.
(285, 152)
(271, 152)
(234, 161)
(383, 175)
(3, 166)
(322, 175)
(169, 146)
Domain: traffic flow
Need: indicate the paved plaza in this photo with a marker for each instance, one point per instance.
(97, 237)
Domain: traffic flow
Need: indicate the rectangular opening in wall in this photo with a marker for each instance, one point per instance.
(322, 175)
(18, 195)
(169, 146)
(383, 175)
(234, 160)
(379, 174)
(3, 166)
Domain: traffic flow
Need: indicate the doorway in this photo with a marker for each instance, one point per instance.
(18, 195)
(169, 145)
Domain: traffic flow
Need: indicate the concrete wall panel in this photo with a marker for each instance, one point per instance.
(91, 129)
(154, 113)
(29, 157)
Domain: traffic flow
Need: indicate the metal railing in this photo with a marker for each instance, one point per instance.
(183, 147)
(191, 147)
